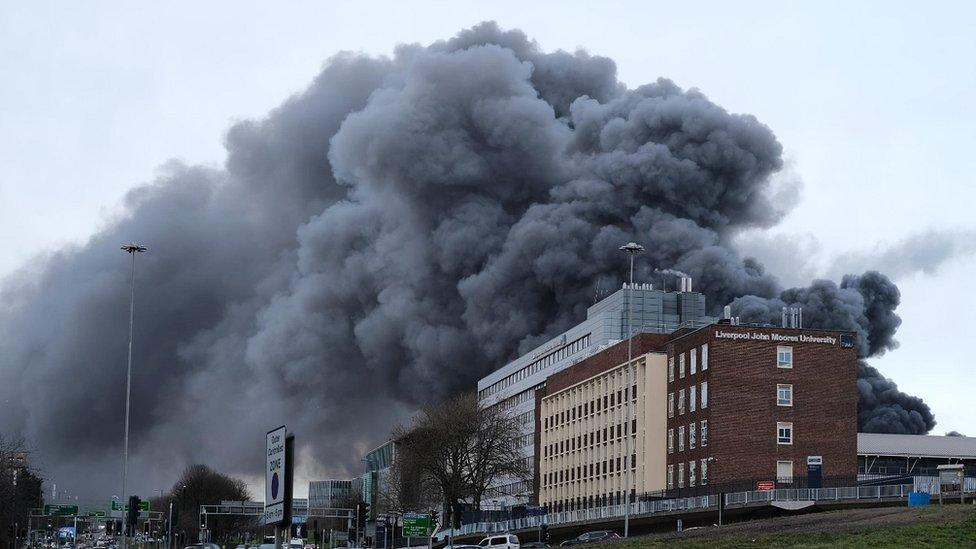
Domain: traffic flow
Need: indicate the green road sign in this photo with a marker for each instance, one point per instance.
(119, 506)
(61, 510)
(416, 525)
(97, 514)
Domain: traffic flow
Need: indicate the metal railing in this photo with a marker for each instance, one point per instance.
(666, 506)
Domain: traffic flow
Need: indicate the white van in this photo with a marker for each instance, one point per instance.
(502, 541)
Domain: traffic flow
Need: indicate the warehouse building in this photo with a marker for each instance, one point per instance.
(514, 385)
(880, 455)
(723, 404)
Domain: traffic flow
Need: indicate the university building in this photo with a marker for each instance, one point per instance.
(721, 404)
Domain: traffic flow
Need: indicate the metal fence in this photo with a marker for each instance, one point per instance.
(705, 502)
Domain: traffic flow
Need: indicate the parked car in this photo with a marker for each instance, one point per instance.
(502, 541)
(462, 547)
(535, 545)
(591, 537)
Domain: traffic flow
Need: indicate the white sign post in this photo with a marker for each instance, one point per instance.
(274, 486)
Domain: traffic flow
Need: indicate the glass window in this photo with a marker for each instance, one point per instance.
(693, 361)
(670, 477)
(704, 361)
(691, 473)
(704, 432)
(681, 438)
(670, 441)
(784, 471)
(681, 366)
(784, 394)
(784, 433)
(704, 471)
(692, 436)
(704, 395)
(681, 402)
(681, 475)
(691, 399)
(671, 368)
(670, 404)
(784, 357)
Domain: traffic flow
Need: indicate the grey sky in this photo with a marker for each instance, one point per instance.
(873, 104)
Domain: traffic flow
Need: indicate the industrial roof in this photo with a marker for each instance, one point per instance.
(874, 444)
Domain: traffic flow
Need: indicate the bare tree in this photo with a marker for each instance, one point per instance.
(20, 489)
(200, 485)
(462, 449)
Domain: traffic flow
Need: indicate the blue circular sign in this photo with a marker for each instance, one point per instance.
(274, 486)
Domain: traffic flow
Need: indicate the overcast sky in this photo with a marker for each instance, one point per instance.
(873, 104)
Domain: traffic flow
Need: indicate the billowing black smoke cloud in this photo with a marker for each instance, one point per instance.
(386, 237)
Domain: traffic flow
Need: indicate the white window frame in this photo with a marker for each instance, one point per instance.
(788, 387)
(704, 471)
(681, 438)
(671, 368)
(692, 435)
(704, 356)
(691, 473)
(681, 366)
(703, 440)
(784, 440)
(704, 395)
(780, 478)
(670, 404)
(782, 350)
(671, 440)
(692, 399)
(693, 361)
(670, 477)
(681, 475)
(681, 402)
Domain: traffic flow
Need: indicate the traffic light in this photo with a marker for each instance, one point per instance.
(435, 517)
(109, 527)
(132, 514)
(367, 511)
(545, 532)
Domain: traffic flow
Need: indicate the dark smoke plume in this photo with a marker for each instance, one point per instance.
(384, 238)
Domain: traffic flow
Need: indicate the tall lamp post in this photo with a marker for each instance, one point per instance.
(131, 249)
(632, 249)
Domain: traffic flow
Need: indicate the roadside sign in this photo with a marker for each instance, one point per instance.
(61, 510)
(98, 514)
(119, 506)
(765, 485)
(416, 525)
(275, 481)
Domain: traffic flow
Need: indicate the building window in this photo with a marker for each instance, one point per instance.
(692, 399)
(681, 475)
(704, 395)
(784, 433)
(681, 366)
(784, 357)
(670, 477)
(671, 368)
(681, 402)
(693, 361)
(681, 438)
(704, 359)
(671, 441)
(670, 404)
(692, 436)
(784, 471)
(784, 394)
(704, 432)
(691, 473)
(704, 471)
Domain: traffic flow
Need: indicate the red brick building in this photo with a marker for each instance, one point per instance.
(730, 405)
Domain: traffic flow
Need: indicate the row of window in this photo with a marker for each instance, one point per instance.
(693, 436)
(588, 440)
(513, 401)
(588, 471)
(693, 400)
(692, 362)
(693, 476)
(591, 407)
(537, 366)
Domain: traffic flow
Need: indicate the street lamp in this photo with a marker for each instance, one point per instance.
(131, 249)
(632, 249)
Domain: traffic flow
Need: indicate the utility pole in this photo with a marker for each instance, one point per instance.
(632, 249)
(131, 249)
(169, 530)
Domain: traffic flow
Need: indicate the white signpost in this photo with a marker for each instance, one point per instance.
(274, 486)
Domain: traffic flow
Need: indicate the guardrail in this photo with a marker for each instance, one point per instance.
(697, 503)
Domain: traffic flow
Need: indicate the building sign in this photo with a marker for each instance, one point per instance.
(765, 485)
(779, 338)
(274, 485)
(814, 476)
